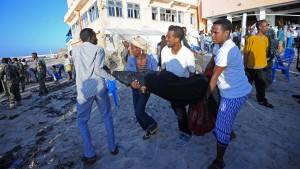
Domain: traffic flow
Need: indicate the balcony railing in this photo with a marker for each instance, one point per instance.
(74, 6)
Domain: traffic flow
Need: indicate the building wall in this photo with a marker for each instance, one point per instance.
(105, 22)
(211, 8)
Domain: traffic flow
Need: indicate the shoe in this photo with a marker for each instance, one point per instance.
(216, 165)
(152, 131)
(296, 96)
(89, 160)
(115, 152)
(266, 104)
(183, 139)
(11, 106)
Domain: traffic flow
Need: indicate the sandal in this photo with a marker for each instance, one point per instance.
(216, 165)
(266, 104)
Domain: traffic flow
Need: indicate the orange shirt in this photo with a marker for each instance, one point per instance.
(256, 48)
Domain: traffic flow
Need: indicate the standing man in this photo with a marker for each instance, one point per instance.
(10, 76)
(255, 61)
(179, 60)
(41, 72)
(21, 71)
(91, 86)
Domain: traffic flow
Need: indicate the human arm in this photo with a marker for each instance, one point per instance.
(101, 71)
(213, 82)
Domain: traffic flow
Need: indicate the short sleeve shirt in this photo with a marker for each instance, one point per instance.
(181, 64)
(232, 82)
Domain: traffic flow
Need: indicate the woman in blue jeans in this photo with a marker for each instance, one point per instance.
(141, 62)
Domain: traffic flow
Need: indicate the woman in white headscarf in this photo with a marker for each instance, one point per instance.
(141, 62)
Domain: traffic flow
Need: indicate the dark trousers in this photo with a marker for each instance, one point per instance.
(269, 73)
(259, 78)
(41, 78)
(22, 80)
(182, 118)
(139, 103)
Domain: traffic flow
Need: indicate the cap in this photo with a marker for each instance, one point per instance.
(140, 43)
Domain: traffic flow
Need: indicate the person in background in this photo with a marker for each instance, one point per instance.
(202, 40)
(68, 66)
(255, 61)
(208, 42)
(141, 62)
(41, 72)
(160, 46)
(280, 37)
(272, 50)
(125, 54)
(10, 76)
(229, 76)
(289, 36)
(179, 60)
(91, 86)
(21, 71)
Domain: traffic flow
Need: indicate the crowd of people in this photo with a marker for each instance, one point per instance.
(15, 72)
(231, 73)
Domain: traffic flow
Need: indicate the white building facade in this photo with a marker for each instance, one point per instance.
(117, 20)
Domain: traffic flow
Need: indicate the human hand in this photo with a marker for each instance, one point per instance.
(143, 89)
(135, 84)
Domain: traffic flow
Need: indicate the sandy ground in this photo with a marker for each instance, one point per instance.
(43, 133)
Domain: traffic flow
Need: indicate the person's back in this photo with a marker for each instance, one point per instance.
(91, 86)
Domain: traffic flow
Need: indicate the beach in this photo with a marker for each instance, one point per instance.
(42, 133)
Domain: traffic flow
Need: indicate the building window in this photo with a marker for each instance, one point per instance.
(84, 20)
(154, 13)
(93, 12)
(168, 15)
(162, 14)
(75, 28)
(192, 19)
(133, 10)
(180, 17)
(115, 8)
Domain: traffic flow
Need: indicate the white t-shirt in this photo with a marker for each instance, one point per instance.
(181, 64)
(232, 82)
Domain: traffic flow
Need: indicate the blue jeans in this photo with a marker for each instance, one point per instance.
(83, 116)
(139, 103)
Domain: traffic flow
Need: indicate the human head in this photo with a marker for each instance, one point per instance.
(88, 35)
(15, 59)
(5, 60)
(262, 26)
(163, 37)
(34, 55)
(220, 31)
(66, 55)
(126, 44)
(174, 36)
(138, 46)
(184, 30)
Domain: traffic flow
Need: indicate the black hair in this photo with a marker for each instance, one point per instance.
(259, 23)
(225, 24)
(15, 59)
(86, 33)
(4, 60)
(34, 53)
(178, 31)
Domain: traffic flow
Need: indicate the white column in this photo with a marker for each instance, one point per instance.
(244, 22)
(262, 13)
(229, 17)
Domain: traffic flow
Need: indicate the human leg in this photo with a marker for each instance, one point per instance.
(104, 106)
(42, 85)
(260, 85)
(83, 115)
(140, 101)
(227, 112)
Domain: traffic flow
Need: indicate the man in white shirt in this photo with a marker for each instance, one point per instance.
(91, 86)
(179, 60)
